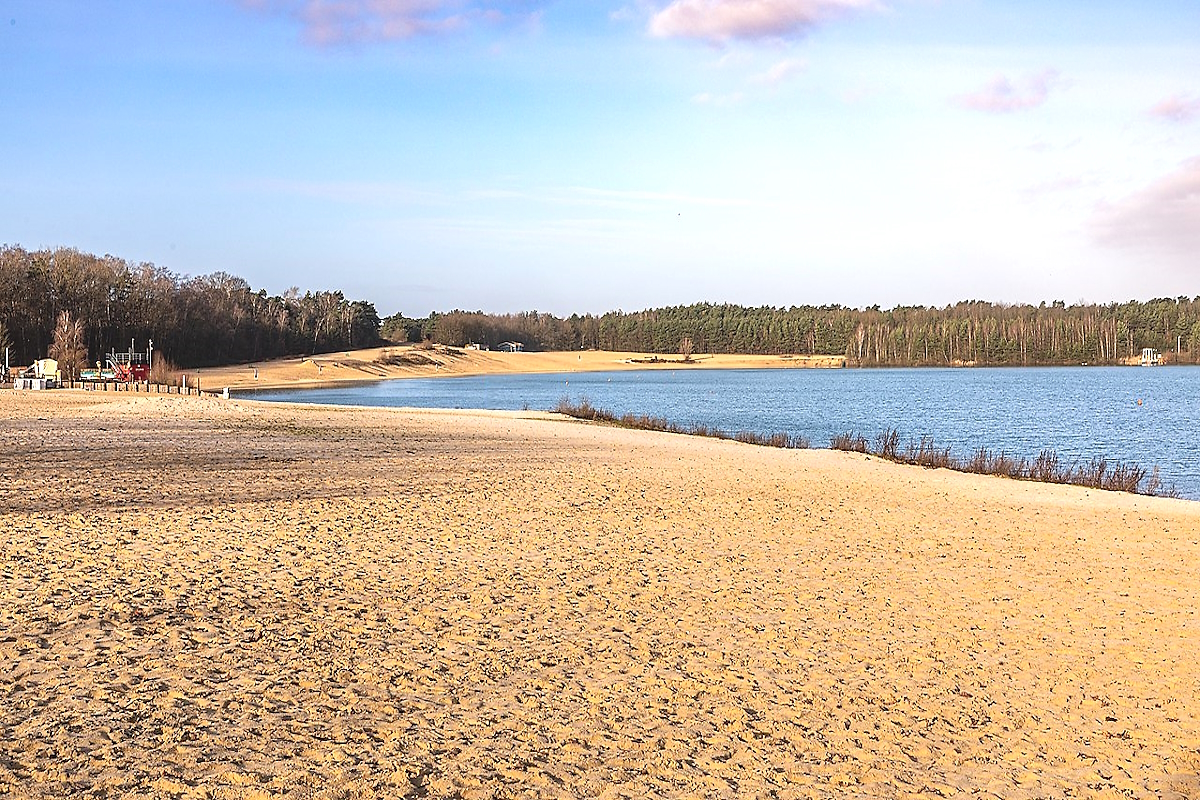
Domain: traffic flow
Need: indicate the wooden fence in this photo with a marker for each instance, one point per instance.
(116, 386)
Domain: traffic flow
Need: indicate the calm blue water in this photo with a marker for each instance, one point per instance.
(1080, 412)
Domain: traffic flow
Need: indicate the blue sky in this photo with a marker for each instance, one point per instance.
(582, 157)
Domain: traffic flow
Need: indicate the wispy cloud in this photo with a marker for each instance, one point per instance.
(780, 72)
(353, 22)
(638, 196)
(1177, 108)
(1051, 186)
(718, 100)
(1161, 217)
(719, 21)
(1003, 96)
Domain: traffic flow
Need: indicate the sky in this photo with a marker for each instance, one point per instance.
(581, 157)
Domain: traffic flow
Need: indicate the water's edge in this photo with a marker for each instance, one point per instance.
(1139, 416)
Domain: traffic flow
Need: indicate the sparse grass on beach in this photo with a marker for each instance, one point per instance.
(1047, 467)
(586, 411)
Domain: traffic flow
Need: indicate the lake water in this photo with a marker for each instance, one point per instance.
(1080, 412)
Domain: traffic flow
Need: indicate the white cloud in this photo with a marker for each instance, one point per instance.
(719, 21)
(1002, 96)
(1164, 217)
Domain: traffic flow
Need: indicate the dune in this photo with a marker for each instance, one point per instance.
(233, 599)
(408, 361)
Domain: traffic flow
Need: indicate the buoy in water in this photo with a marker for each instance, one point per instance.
(1139, 401)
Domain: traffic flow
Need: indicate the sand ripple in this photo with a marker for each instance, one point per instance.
(227, 600)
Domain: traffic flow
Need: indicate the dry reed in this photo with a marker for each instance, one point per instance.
(586, 411)
(1098, 473)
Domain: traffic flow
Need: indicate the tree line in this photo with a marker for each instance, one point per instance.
(194, 321)
(219, 319)
(968, 333)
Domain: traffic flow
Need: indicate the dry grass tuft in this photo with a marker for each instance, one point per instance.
(1098, 473)
(586, 411)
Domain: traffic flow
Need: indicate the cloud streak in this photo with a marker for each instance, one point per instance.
(333, 23)
(1177, 108)
(1003, 96)
(781, 72)
(719, 21)
(1161, 217)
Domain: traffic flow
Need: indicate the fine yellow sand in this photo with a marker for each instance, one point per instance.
(407, 361)
(229, 599)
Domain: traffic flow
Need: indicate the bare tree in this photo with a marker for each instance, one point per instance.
(5, 343)
(686, 348)
(68, 348)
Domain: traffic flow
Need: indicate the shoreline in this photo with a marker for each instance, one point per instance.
(358, 367)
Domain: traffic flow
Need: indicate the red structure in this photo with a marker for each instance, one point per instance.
(131, 366)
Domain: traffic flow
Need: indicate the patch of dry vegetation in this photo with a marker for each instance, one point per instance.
(416, 356)
(586, 411)
(1047, 467)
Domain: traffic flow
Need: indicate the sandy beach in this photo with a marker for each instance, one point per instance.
(410, 361)
(231, 599)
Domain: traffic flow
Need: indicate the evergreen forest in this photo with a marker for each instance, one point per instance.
(968, 333)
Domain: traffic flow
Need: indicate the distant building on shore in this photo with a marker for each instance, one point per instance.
(1150, 357)
(510, 347)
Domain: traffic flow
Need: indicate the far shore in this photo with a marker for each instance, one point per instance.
(414, 361)
(396, 361)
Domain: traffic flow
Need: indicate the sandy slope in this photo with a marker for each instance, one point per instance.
(407, 361)
(230, 599)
